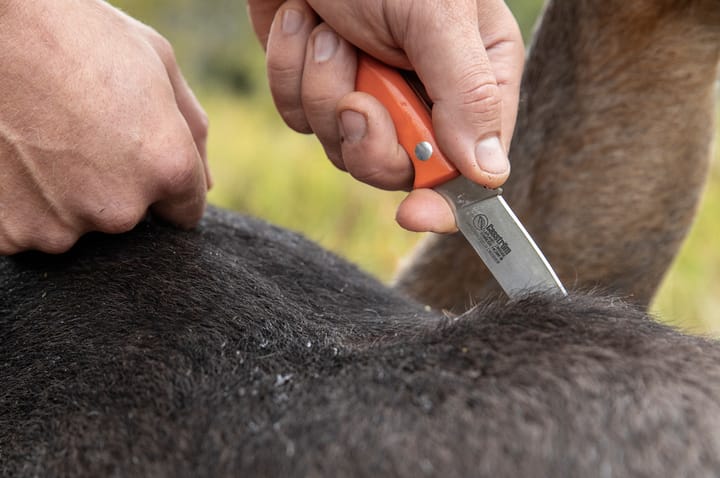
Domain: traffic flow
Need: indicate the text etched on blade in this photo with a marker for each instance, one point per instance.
(492, 241)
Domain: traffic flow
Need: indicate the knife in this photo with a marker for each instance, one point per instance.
(481, 214)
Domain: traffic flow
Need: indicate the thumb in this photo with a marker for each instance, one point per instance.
(454, 67)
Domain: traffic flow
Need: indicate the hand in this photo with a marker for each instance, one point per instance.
(97, 125)
(468, 53)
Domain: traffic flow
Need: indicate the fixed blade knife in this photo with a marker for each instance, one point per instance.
(481, 214)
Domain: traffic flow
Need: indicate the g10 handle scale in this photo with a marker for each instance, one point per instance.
(412, 120)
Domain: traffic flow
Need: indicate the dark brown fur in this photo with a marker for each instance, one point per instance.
(241, 349)
(244, 350)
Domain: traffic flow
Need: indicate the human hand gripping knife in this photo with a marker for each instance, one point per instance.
(481, 214)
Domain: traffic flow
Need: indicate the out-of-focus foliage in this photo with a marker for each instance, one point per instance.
(212, 38)
(215, 43)
(263, 168)
(526, 13)
(690, 295)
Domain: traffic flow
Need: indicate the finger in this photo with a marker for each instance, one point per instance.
(180, 187)
(370, 148)
(503, 42)
(262, 13)
(114, 215)
(10, 239)
(37, 221)
(182, 206)
(424, 210)
(55, 239)
(286, 48)
(44, 233)
(195, 116)
(7, 247)
(188, 105)
(329, 75)
(454, 66)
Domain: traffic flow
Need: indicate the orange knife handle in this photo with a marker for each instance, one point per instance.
(412, 120)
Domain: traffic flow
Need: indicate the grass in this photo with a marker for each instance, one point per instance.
(263, 168)
(690, 295)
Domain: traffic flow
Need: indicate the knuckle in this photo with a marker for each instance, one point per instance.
(118, 220)
(481, 98)
(509, 70)
(163, 47)
(50, 236)
(174, 159)
(180, 170)
(379, 168)
(285, 80)
(285, 86)
(184, 170)
(366, 172)
(480, 93)
(57, 242)
(318, 104)
(372, 178)
(281, 73)
(13, 240)
(8, 248)
(196, 214)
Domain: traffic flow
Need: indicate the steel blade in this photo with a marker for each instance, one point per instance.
(500, 239)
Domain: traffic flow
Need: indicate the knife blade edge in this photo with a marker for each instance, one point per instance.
(502, 242)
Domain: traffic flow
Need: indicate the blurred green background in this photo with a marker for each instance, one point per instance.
(262, 168)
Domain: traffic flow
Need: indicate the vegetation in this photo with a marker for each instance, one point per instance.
(263, 168)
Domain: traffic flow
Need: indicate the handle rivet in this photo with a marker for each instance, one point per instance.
(423, 151)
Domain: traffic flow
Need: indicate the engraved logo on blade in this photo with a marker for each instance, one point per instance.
(491, 240)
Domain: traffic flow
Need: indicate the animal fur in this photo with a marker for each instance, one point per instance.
(241, 349)
(244, 350)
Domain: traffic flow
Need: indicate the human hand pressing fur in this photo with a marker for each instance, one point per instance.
(97, 125)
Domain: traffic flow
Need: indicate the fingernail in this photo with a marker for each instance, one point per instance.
(326, 42)
(291, 22)
(491, 157)
(353, 126)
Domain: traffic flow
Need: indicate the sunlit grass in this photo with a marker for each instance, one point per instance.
(690, 295)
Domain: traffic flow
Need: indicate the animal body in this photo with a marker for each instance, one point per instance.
(241, 349)
(611, 148)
